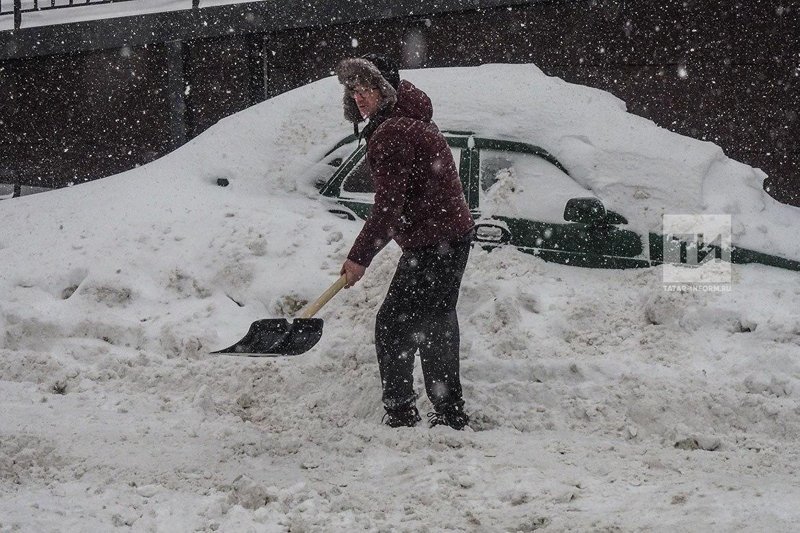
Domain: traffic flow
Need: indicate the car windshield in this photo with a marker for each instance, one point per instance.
(522, 185)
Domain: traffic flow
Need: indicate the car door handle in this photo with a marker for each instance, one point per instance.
(491, 233)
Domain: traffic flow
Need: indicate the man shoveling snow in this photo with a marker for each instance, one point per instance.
(419, 202)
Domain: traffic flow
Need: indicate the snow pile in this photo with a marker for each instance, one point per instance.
(599, 401)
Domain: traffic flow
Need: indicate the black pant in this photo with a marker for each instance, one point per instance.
(420, 313)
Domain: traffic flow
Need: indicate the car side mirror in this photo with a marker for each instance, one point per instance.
(589, 211)
(592, 212)
(615, 218)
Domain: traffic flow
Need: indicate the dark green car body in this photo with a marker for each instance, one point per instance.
(583, 233)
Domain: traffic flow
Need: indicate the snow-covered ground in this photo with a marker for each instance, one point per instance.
(599, 401)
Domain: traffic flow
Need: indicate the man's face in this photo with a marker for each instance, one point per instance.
(367, 99)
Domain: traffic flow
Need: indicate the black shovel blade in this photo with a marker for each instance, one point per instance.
(276, 336)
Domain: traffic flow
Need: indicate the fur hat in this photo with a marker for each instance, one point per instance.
(386, 66)
(362, 71)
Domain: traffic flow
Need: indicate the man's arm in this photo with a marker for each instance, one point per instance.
(389, 172)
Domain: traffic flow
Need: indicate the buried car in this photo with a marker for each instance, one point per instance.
(521, 195)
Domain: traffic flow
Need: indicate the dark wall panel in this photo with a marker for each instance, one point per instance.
(299, 57)
(217, 76)
(82, 116)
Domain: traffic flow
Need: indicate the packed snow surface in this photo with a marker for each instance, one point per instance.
(599, 401)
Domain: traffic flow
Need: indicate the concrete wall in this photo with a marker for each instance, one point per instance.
(725, 71)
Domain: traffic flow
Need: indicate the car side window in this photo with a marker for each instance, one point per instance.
(358, 180)
(495, 165)
(519, 184)
(457, 158)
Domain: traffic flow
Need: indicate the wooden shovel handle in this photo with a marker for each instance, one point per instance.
(312, 309)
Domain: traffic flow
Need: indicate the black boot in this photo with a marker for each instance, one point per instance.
(453, 416)
(405, 416)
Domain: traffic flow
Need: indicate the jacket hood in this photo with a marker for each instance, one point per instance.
(412, 103)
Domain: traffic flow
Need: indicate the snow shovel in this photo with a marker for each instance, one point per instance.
(276, 336)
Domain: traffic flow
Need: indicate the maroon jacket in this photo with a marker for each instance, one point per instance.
(419, 200)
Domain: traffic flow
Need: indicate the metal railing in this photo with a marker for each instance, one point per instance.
(30, 6)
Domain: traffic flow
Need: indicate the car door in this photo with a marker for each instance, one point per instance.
(351, 185)
(522, 193)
